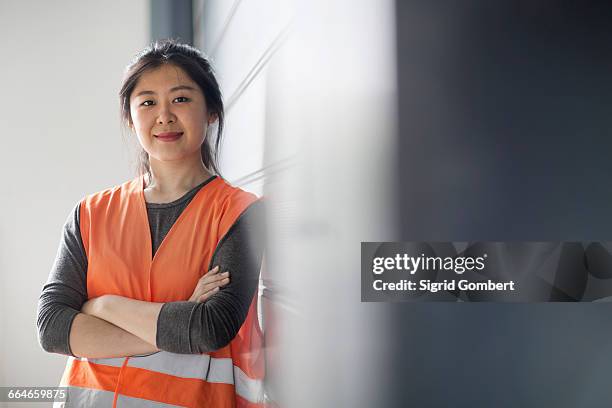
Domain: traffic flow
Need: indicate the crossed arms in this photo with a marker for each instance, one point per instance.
(115, 326)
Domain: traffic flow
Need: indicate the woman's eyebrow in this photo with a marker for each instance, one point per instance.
(173, 89)
(182, 87)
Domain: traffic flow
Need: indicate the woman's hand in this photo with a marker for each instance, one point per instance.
(209, 284)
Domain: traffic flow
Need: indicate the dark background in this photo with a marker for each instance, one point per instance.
(504, 135)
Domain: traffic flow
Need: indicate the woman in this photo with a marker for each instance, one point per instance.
(133, 297)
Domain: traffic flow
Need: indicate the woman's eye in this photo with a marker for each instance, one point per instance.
(147, 103)
(181, 99)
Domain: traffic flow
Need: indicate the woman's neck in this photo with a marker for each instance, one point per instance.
(173, 179)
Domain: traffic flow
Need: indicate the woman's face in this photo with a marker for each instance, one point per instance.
(169, 114)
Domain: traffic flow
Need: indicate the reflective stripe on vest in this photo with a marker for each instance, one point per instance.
(117, 241)
(196, 366)
(85, 397)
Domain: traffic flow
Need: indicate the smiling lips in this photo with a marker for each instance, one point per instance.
(168, 136)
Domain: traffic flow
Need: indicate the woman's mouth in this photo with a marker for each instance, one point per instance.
(168, 136)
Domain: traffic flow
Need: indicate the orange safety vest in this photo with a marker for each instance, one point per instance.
(116, 237)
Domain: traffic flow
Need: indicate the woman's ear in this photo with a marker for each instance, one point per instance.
(212, 118)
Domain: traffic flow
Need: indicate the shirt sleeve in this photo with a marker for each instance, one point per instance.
(194, 328)
(65, 291)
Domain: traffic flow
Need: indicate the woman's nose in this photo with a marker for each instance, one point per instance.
(165, 115)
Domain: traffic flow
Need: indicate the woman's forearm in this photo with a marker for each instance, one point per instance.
(92, 337)
(134, 316)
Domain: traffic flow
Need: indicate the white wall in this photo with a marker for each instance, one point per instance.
(62, 64)
(241, 37)
(319, 117)
(334, 100)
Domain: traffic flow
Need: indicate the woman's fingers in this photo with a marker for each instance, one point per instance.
(212, 271)
(208, 294)
(208, 283)
(222, 281)
(216, 277)
(212, 278)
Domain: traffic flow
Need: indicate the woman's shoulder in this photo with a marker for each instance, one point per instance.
(233, 201)
(232, 190)
(114, 192)
(233, 196)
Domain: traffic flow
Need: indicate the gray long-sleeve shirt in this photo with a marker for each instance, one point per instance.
(182, 327)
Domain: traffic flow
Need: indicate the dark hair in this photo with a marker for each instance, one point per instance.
(199, 69)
